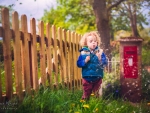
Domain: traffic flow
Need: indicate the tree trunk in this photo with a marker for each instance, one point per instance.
(133, 21)
(102, 22)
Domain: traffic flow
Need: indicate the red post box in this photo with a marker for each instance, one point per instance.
(130, 68)
(130, 62)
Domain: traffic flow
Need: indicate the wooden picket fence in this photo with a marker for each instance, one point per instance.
(57, 51)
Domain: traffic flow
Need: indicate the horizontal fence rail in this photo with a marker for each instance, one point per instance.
(47, 58)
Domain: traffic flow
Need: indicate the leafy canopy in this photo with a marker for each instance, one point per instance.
(123, 12)
(78, 15)
(75, 15)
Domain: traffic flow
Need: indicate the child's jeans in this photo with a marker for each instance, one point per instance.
(89, 87)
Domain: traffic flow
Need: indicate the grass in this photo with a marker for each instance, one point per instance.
(67, 101)
(47, 100)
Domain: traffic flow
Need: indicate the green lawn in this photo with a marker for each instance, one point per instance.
(66, 101)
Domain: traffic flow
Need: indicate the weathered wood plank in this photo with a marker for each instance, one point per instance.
(79, 69)
(65, 56)
(25, 54)
(69, 59)
(49, 54)
(75, 57)
(61, 55)
(55, 57)
(7, 52)
(17, 55)
(42, 53)
(73, 60)
(34, 54)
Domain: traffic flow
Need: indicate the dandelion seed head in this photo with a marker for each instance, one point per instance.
(117, 109)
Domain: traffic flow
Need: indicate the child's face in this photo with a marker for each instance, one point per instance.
(91, 42)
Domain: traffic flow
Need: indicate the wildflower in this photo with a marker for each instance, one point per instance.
(77, 112)
(92, 94)
(108, 85)
(72, 104)
(86, 106)
(148, 104)
(82, 101)
(96, 110)
(117, 91)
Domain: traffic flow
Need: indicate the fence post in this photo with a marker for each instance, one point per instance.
(73, 59)
(55, 57)
(34, 54)
(42, 53)
(65, 57)
(7, 52)
(62, 71)
(25, 54)
(78, 53)
(69, 59)
(49, 54)
(17, 54)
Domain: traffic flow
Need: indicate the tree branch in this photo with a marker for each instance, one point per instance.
(115, 5)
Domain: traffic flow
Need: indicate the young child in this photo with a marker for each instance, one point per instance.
(92, 61)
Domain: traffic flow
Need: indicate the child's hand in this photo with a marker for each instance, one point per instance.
(87, 59)
(98, 54)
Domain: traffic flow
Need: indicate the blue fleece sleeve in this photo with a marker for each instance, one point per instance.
(81, 61)
(104, 61)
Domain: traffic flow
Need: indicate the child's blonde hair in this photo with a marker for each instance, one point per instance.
(83, 41)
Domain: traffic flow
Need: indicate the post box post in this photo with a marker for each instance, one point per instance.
(130, 68)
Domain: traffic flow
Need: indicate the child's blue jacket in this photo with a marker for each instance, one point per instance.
(93, 69)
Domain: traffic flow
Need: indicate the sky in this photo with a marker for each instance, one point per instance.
(31, 8)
